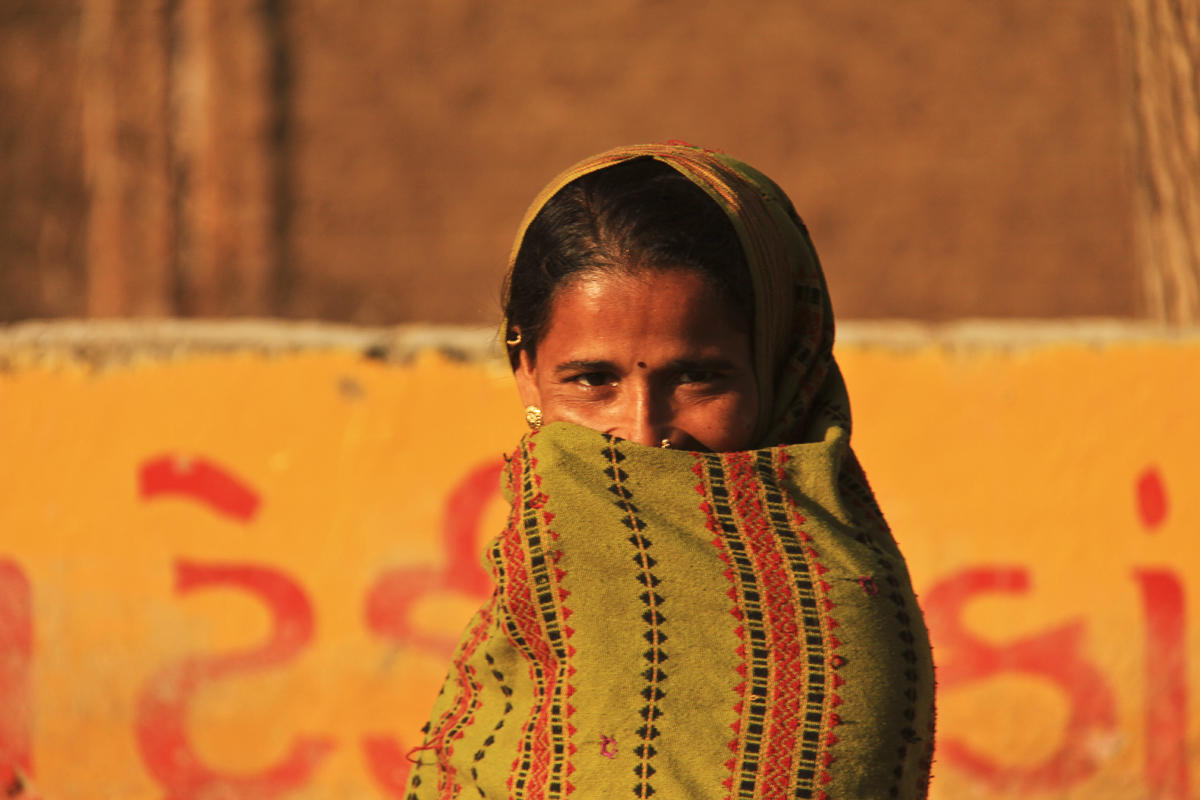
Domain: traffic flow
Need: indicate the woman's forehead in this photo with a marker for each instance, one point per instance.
(671, 309)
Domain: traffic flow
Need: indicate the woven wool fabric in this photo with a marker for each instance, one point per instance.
(687, 625)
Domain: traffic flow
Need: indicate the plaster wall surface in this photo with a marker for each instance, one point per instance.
(234, 557)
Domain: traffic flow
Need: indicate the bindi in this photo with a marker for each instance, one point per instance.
(642, 364)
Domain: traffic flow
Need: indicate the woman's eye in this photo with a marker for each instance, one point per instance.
(593, 379)
(697, 376)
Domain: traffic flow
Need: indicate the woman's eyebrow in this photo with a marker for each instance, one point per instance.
(711, 364)
(584, 366)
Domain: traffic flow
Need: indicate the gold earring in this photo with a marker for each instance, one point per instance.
(533, 417)
(513, 341)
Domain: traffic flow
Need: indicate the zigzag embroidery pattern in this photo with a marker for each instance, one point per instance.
(654, 675)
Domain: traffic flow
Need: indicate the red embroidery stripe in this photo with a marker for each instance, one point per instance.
(834, 681)
(723, 553)
(531, 640)
(779, 604)
(539, 758)
(453, 722)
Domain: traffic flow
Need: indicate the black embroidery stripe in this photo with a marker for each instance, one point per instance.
(545, 589)
(779, 512)
(754, 700)
(652, 692)
(540, 590)
(485, 747)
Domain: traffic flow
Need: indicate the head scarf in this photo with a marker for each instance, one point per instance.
(800, 389)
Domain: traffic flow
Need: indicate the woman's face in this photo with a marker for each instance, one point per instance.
(653, 355)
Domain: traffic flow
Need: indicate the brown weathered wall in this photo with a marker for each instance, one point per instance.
(43, 207)
(305, 160)
(1161, 46)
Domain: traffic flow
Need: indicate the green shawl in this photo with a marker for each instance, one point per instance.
(697, 625)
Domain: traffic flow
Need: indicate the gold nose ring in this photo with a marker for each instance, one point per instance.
(665, 444)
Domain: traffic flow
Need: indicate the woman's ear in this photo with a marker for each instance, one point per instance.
(526, 377)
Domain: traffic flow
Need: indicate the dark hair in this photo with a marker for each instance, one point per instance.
(636, 215)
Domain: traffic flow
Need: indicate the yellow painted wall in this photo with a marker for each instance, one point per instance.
(239, 575)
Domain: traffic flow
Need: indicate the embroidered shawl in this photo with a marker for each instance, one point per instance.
(697, 625)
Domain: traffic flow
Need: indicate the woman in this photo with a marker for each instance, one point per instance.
(697, 596)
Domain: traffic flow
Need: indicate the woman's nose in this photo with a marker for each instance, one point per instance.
(643, 418)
